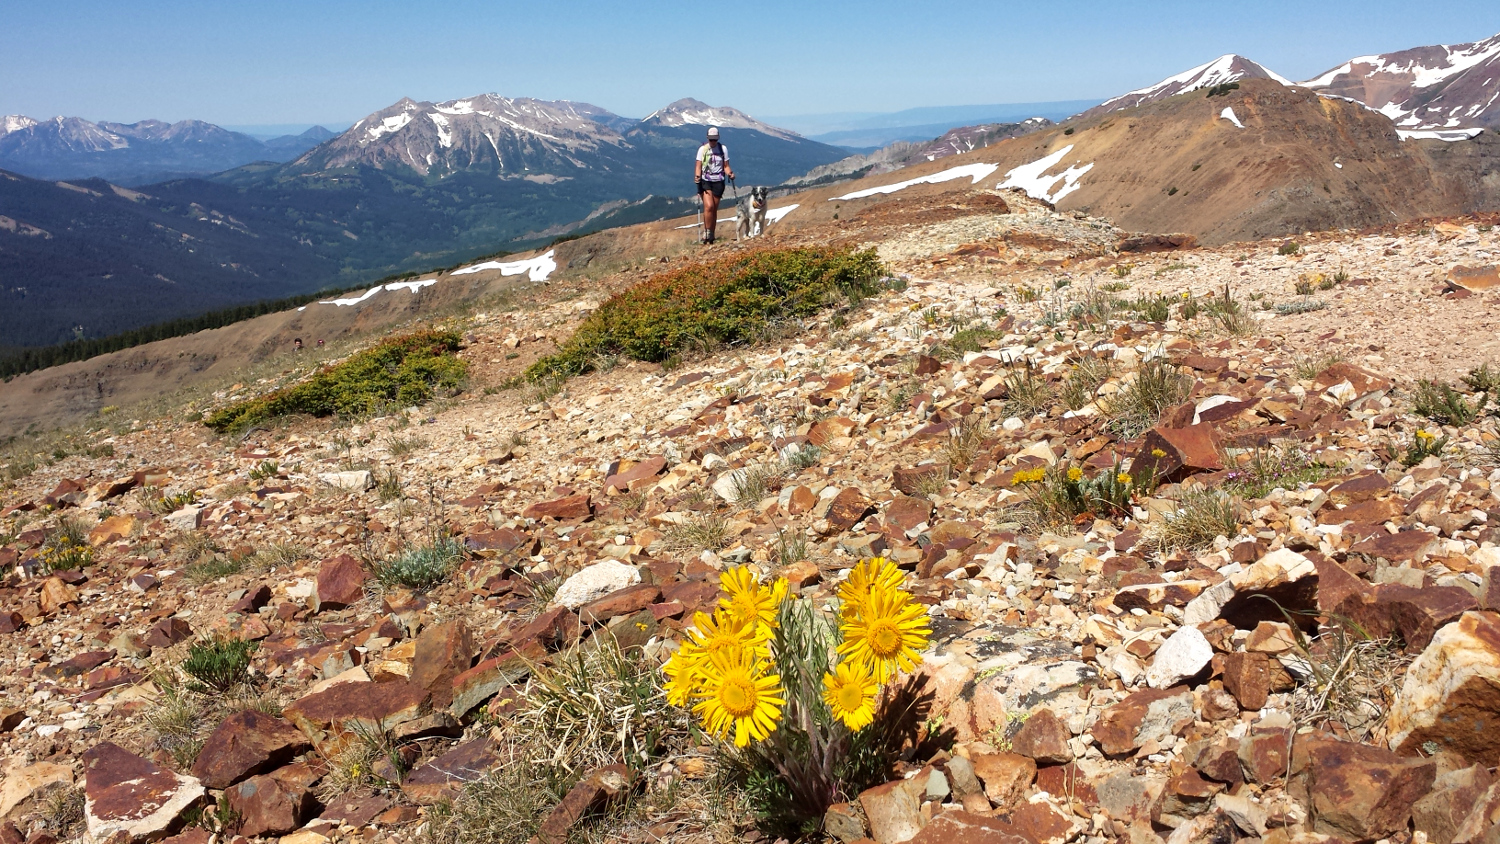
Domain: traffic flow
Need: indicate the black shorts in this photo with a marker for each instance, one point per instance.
(716, 188)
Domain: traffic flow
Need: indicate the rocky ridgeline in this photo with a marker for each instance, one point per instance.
(1330, 671)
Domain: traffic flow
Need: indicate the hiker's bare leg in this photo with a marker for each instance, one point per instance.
(710, 212)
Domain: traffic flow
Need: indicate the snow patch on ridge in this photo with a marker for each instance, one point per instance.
(391, 124)
(1030, 178)
(1228, 114)
(536, 269)
(977, 172)
(413, 286)
(445, 136)
(1449, 135)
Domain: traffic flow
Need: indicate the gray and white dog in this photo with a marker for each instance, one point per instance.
(753, 209)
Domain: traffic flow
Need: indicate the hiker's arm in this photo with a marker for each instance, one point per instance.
(728, 171)
(698, 168)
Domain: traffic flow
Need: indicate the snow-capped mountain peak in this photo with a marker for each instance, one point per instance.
(1439, 87)
(1225, 69)
(693, 112)
(15, 123)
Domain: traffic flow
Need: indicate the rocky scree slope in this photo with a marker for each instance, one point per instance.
(1099, 678)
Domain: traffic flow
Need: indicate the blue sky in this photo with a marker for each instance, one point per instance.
(258, 62)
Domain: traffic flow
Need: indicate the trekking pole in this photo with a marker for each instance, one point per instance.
(700, 216)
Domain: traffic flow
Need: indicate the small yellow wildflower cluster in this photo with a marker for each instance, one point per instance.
(1426, 435)
(63, 554)
(725, 669)
(1029, 476)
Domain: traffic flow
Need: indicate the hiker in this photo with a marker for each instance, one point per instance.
(709, 173)
(297, 344)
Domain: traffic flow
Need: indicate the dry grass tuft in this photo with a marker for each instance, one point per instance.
(1202, 516)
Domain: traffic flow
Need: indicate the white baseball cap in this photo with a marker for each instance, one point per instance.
(713, 131)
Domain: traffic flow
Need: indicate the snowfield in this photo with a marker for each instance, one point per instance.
(976, 172)
(1030, 178)
(413, 286)
(1228, 114)
(536, 269)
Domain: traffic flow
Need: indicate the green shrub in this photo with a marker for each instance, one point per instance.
(1443, 404)
(1483, 379)
(1291, 247)
(421, 567)
(1158, 385)
(218, 664)
(405, 370)
(726, 301)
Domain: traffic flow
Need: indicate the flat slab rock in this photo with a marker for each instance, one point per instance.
(244, 744)
(122, 791)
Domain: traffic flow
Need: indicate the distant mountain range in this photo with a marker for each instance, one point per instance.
(1443, 92)
(870, 130)
(136, 153)
(409, 187)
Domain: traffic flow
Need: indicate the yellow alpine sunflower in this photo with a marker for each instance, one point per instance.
(722, 631)
(745, 598)
(850, 692)
(888, 634)
(739, 692)
(869, 575)
(682, 674)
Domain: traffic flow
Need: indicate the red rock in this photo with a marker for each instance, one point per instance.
(1451, 694)
(910, 481)
(1220, 762)
(1263, 754)
(500, 543)
(443, 651)
(1157, 243)
(1414, 614)
(341, 582)
(1358, 791)
(166, 633)
(55, 594)
(849, 507)
(1453, 797)
(1408, 545)
(893, 809)
(356, 810)
(1007, 777)
(11, 621)
(484, 680)
(906, 512)
(1335, 583)
(1146, 715)
(627, 601)
(554, 630)
(442, 777)
(126, 792)
(634, 476)
(244, 744)
(1474, 279)
(593, 792)
(112, 529)
(1363, 380)
(1044, 737)
(569, 507)
(1154, 595)
(844, 822)
(1251, 677)
(331, 716)
(274, 803)
(1067, 780)
(253, 600)
(1361, 487)
(1184, 451)
(78, 665)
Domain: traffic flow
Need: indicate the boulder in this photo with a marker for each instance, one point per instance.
(1356, 791)
(627, 601)
(186, 519)
(274, 803)
(1146, 715)
(112, 529)
(166, 633)
(443, 652)
(1287, 578)
(1251, 677)
(55, 594)
(1453, 797)
(21, 781)
(1130, 797)
(1451, 694)
(484, 680)
(595, 791)
(125, 793)
(594, 582)
(848, 509)
(1170, 454)
(1474, 279)
(1044, 738)
(1184, 655)
(636, 475)
(331, 717)
(341, 582)
(244, 744)
(1395, 609)
(1007, 777)
(442, 777)
(894, 809)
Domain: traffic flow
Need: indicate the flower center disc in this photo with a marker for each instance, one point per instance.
(850, 698)
(884, 638)
(738, 696)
